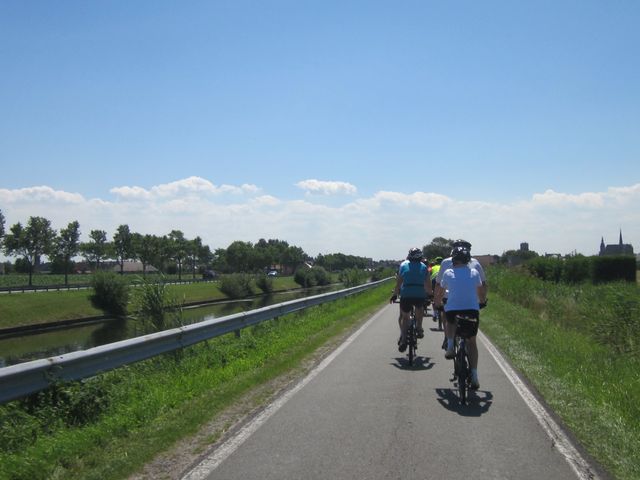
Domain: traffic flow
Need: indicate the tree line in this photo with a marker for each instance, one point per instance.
(169, 253)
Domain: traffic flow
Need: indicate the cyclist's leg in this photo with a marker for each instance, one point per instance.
(450, 332)
(419, 316)
(405, 309)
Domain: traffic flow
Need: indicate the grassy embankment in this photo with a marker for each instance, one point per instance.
(111, 425)
(579, 346)
(31, 308)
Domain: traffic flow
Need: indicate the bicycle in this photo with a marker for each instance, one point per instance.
(412, 337)
(437, 316)
(461, 367)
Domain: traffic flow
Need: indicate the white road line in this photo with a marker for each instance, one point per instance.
(210, 463)
(579, 465)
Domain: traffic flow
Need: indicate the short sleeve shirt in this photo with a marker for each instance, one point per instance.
(462, 283)
(448, 263)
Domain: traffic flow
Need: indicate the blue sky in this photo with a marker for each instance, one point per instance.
(363, 127)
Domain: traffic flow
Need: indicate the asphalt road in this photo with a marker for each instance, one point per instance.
(366, 414)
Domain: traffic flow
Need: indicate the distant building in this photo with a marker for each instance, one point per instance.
(524, 247)
(619, 248)
(486, 260)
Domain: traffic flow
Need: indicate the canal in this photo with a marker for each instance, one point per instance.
(33, 346)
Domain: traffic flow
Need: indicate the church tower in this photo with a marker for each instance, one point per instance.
(602, 246)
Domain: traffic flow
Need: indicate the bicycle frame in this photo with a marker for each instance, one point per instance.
(412, 336)
(461, 368)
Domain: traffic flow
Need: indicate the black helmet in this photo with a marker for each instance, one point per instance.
(415, 255)
(460, 255)
(462, 243)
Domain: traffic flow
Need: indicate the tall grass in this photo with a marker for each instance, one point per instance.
(143, 409)
(157, 306)
(578, 346)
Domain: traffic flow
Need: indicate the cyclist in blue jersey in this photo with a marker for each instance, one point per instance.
(466, 292)
(413, 285)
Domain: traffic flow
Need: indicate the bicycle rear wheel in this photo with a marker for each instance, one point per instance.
(462, 369)
(411, 342)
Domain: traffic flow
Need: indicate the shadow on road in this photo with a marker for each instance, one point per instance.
(478, 402)
(419, 363)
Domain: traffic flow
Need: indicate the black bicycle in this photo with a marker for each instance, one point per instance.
(412, 337)
(465, 325)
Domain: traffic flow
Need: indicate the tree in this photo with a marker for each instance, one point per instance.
(439, 247)
(197, 253)
(238, 256)
(122, 246)
(178, 248)
(293, 257)
(67, 246)
(30, 242)
(1, 226)
(146, 248)
(97, 248)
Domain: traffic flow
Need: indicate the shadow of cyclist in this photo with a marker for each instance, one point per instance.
(478, 402)
(419, 363)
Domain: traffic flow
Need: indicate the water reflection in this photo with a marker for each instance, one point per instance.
(24, 348)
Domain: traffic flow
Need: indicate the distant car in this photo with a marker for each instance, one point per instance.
(208, 275)
(272, 273)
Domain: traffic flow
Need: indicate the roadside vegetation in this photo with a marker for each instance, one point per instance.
(32, 308)
(578, 345)
(109, 426)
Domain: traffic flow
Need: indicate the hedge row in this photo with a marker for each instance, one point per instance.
(580, 269)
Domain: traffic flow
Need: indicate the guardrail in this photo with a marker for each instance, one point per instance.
(29, 377)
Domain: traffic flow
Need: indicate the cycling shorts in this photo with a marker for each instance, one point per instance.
(466, 327)
(407, 303)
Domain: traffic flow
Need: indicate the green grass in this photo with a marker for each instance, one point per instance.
(591, 384)
(29, 308)
(41, 307)
(146, 407)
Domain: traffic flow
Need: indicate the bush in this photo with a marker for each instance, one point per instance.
(264, 283)
(153, 302)
(310, 277)
(382, 273)
(352, 277)
(579, 269)
(110, 293)
(576, 269)
(607, 269)
(236, 285)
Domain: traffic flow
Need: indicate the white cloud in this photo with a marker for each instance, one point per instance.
(192, 186)
(557, 199)
(327, 188)
(39, 195)
(383, 225)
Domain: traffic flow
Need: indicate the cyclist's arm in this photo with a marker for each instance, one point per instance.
(438, 294)
(427, 286)
(482, 293)
(399, 281)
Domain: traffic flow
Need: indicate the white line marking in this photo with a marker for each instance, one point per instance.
(579, 465)
(210, 463)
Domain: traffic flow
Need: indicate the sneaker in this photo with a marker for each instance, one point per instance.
(475, 384)
(420, 333)
(449, 354)
(402, 347)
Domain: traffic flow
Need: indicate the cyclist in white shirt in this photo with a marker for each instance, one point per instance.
(448, 263)
(467, 292)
